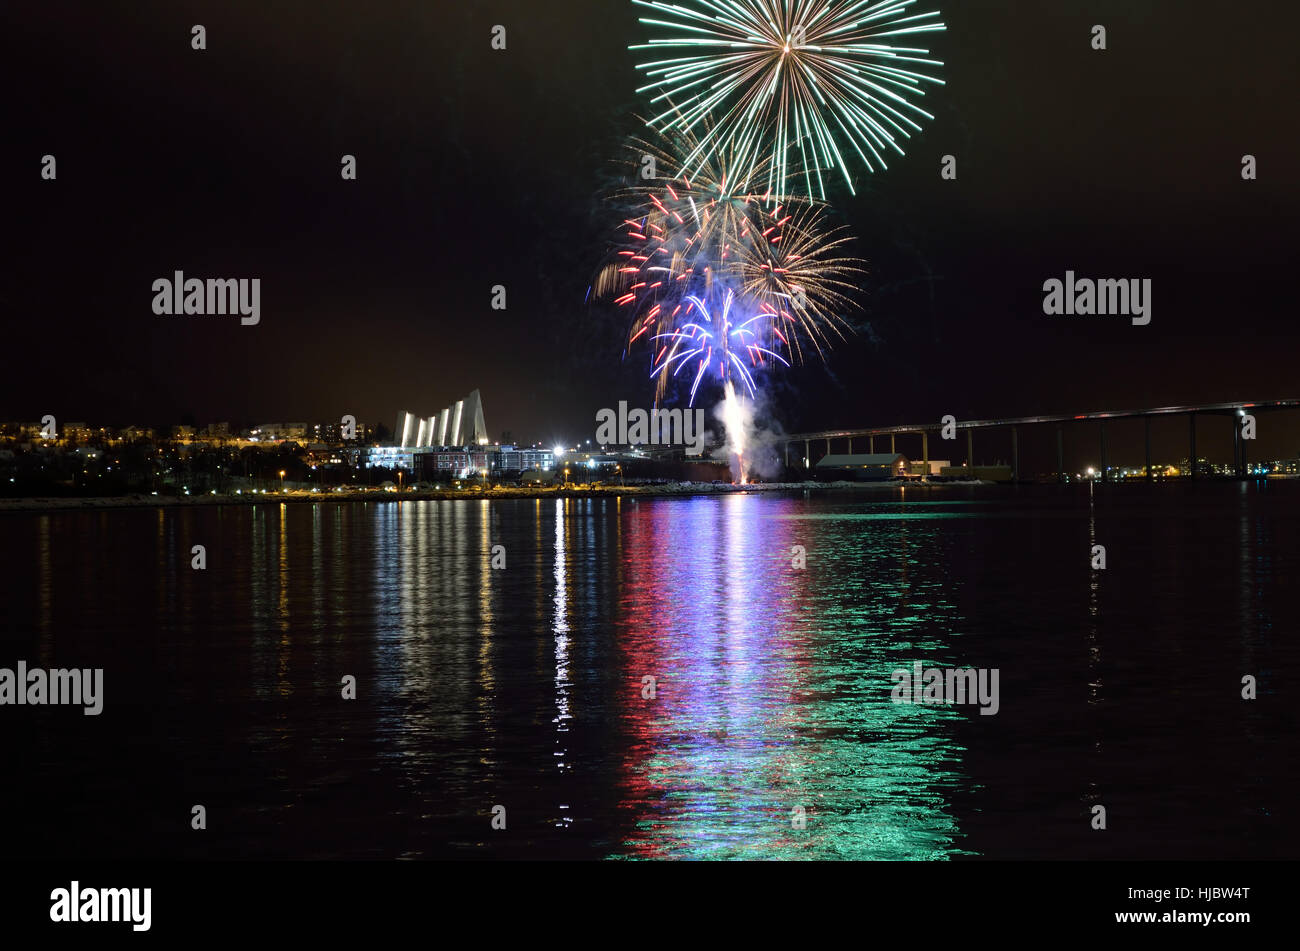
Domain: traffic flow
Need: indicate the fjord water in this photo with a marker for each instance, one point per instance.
(524, 687)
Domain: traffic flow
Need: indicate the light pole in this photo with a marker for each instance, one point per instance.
(282, 482)
(619, 470)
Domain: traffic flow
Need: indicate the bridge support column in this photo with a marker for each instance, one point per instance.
(970, 450)
(925, 453)
(1241, 441)
(828, 446)
(891, 443)
(1148, 470)
(1191, 428)
(807, 456)
(871, 444)
(1060, 454)
(1237, 468)
(1105, 475)
(1015, 455)
(787, 455)
(850, 445)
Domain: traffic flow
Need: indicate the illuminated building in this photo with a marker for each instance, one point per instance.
(866, 467)
(439, 465)
(460, 424)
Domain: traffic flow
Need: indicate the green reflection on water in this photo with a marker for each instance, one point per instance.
(775, 690)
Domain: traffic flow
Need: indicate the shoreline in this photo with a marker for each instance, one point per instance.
(302, 497)
(668, 491)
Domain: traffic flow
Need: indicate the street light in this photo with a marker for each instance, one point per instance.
(281, 481)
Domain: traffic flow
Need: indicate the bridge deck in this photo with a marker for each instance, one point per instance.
(1257, 406)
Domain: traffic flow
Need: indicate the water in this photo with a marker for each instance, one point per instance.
(523, 687)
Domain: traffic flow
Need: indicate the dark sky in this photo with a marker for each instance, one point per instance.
(479, 167)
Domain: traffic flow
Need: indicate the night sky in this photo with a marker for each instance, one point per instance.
(479, 167)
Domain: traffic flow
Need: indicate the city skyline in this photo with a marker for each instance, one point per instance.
(1091, 449)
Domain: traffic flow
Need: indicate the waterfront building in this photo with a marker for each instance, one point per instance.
(460, 424)
(865, 467)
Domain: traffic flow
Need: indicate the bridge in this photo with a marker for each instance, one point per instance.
(969, 427)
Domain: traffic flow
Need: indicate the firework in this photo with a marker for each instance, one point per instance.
(802, 279)
(795, 87)
(718, 279)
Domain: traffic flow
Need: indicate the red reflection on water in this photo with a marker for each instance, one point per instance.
(710, 612)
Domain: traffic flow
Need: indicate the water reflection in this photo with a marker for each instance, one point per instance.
(523, 685)
(772, 681)
(560, 626)
(774, 689)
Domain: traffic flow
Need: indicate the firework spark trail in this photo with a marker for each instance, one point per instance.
(717, 278)
(728, 265)
(735, 420)
(764, 78)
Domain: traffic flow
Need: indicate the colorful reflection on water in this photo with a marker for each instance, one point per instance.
(522, 685)
(773, 688)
